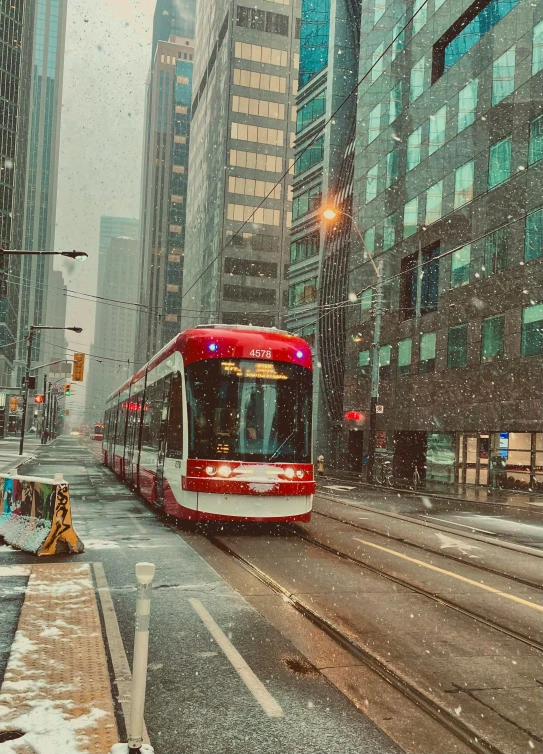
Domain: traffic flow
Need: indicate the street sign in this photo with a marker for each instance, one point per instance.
(379, 409)
(79, 365)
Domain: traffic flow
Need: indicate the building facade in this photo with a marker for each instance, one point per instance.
(448, 179)
(164, 194)
(243, 117)
(173, 18)
(16, 29)
(41, 173)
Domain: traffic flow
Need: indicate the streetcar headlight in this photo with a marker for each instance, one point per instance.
(224, 471)
(210, 470)
(289, 473)
(300, 474)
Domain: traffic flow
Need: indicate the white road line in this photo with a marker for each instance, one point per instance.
(255, 686)
(455, 523)
(119, 660)
(527, 603)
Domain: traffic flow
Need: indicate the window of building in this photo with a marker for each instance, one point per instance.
(427, 360)
(429, 279)
(307, 202)
(408, 286)
(256, 161)
(251, 187)
(250, 268)
(366, 299)
(305, 247)
(389, 233)
(377, 62)
(460, 264)
(405, 348)
(414, 141)
(434, 200)
(467, 30)
(244, 132)
(536, 140)
(314, 35)
(533, 243)
(438, 123)
(257, 80)
(492, 337)
(398, 38)
(395, 102)
(369, 239)
(257, 241)
(537, 49)
(532, 330)
(262, 20)
(246, 212)
(503, 75)
(463, 184)
(457, 347)
(261, 107)
(249, 294)
(411, 217)
(416, 83)
(311, 111)
(384, 361)
(392, 167)
(379, 9)
(467, 104)
(420, 12)
(496, 251)
(302, 293)
(261, 54)
(364, 364)
(375, 123)
(499, 164)
(371, 183)
(312, 155)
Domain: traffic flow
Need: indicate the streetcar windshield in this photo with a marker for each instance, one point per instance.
(245, 410)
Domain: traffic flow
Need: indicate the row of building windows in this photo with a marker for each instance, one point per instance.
(310, 156)
(250, 268)
(492, 345)
(261, 54)
(259, 134)
(255, 241)
(257, 80)
(260, 215)
(308, 201)
(262, 20)
(263, 108)
(304, 292)
(311, 111)
(305, 247)
(249, 295)
(251, 187)
(256, 161)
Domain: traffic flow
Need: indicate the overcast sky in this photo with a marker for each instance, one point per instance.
(108, 49)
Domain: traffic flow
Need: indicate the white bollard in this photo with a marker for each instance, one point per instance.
(145, 573)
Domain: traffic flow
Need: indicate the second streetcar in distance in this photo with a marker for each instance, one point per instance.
(218, 426)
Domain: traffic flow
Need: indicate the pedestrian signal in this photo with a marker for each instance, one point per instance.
(13, 403)
(31, 382)
(67, 389)
(78, 368)
(38, 399)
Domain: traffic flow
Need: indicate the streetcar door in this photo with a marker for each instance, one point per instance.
(162, 440)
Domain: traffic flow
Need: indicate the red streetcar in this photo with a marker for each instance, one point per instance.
(218, 426)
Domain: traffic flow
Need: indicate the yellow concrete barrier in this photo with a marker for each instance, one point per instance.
(36, 515)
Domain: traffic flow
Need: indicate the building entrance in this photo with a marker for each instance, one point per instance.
(410, 454)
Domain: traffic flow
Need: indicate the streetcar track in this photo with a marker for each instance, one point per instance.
(452, 723)
(447, 555)
(418, 590)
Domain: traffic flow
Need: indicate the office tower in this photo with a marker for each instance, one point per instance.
(164, 194)
(245, 80)
(173, 18)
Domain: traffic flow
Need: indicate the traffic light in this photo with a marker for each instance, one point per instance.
(38, 399)
(78, 368)
(31, 381)
(67, 389)
(13, 403)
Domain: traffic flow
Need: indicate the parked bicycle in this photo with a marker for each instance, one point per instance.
(385, 474)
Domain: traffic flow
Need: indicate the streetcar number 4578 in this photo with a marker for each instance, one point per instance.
(257, 354)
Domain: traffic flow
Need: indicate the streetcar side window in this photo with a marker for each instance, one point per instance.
(175, 423)
(152, 415)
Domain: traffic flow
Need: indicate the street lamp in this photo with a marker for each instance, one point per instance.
(330, 213)
(78, 255)
(27, 372)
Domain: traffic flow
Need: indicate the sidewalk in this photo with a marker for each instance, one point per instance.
(9, 452)
(446, 492)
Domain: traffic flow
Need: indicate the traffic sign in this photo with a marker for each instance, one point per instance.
(79, 366)
(379, 409)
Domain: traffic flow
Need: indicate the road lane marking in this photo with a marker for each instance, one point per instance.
(455, 523)
(255, 686)
(119, 660)
(453, 575)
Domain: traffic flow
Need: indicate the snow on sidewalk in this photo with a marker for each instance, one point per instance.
(56, 689)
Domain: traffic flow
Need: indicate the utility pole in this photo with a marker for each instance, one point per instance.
(378, 311)
(44, 415)
(25, 396)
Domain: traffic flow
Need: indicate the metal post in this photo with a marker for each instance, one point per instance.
(25, 397)
(375, 368)
(145, 573)
(44, 414)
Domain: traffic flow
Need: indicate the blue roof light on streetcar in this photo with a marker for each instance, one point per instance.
(213, 346)
(299, 354)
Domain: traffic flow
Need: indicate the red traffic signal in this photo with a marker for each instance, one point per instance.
(38, 399)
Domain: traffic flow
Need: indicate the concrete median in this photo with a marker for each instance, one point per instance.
(36, 515)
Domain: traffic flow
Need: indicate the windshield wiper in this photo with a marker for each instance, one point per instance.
(284, 441)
